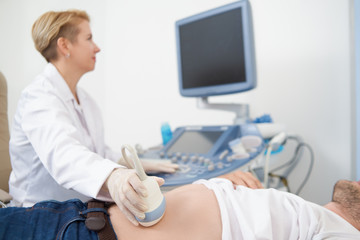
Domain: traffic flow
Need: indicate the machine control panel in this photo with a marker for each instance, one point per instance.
(203, 152)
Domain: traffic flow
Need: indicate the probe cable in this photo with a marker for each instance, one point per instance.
(297, 153)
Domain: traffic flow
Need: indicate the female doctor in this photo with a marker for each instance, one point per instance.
(57, 144)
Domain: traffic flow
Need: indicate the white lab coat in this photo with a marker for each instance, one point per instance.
(57, 146)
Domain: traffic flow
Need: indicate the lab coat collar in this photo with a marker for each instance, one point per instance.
(81, 95)
(53, 75)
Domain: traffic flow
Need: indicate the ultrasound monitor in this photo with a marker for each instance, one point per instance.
(197, 142)
(215, 51)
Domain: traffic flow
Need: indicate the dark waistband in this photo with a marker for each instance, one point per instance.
(97, 219)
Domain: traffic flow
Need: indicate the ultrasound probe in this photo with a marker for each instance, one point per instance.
(155, 200)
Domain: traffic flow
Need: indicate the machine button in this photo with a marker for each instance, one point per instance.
(220, 165)
(193, 159)
(223, 154)
(173, 159)
(162, 154)
(211, 167)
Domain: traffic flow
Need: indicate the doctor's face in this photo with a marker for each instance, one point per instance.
(83, 50)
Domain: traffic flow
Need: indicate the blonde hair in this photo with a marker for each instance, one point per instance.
(50, 26)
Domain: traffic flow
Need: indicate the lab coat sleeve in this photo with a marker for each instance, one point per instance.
(50, 128)
(112, 155)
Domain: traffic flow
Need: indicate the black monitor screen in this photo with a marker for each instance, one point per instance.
(195, 142)
(212, 50)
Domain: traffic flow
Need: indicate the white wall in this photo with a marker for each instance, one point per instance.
(303, 62)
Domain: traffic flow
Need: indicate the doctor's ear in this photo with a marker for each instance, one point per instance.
(63, 46)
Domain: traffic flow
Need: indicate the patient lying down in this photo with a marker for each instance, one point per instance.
(215, 209)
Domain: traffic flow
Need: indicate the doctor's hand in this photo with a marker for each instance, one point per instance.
(241, 178)
(126, 189)
(158, 166)
(153, 165)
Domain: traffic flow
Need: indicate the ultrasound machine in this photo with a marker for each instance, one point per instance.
(216, 56)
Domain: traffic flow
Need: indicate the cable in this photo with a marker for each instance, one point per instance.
(282, 179)
(274, 143)
(310, 167)
(266, 166)
(295, 161)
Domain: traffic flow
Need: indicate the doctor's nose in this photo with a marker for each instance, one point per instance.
(97, 49)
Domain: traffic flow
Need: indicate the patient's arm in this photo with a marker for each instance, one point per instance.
(246, 179)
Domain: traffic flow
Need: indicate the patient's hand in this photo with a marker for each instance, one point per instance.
(246, 179)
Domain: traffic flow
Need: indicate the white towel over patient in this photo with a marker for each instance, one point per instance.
(272, 214)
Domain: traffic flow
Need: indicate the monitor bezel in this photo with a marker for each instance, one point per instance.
(249, 53)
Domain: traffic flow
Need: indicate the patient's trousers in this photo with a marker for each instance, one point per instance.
(46, 220)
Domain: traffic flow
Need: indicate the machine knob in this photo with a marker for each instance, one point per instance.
(211, 167)
(193, 158)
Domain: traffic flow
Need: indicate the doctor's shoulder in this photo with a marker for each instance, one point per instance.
(41, 92)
